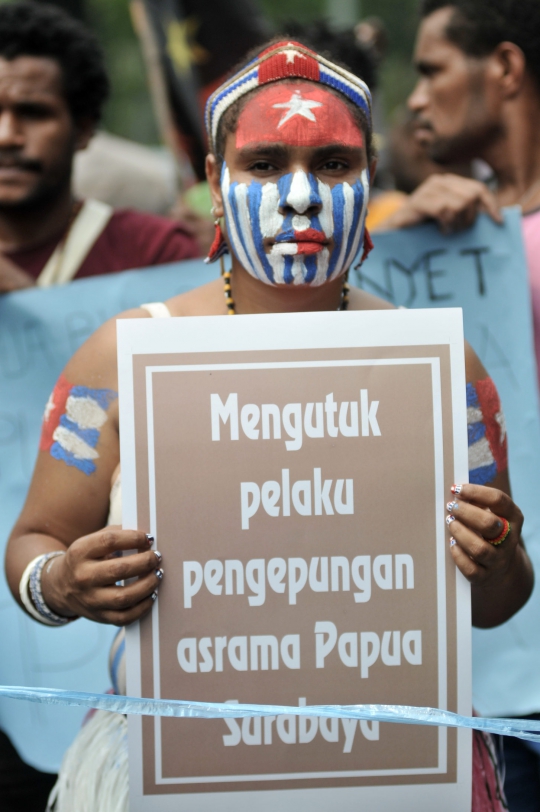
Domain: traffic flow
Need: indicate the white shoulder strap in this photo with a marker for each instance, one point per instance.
(69, 255)
(157, 310)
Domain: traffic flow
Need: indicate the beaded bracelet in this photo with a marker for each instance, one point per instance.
(32, 595)
(502, 535)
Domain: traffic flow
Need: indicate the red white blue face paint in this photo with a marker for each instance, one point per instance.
(272, 227)
(306, 112)
(72, 421)
(305, 249)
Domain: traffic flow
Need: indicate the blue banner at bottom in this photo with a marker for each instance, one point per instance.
(401, 714)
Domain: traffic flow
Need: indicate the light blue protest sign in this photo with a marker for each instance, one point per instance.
(484, 271)
(39, 331)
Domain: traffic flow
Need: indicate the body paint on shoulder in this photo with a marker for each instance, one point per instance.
(488, 447)
(72, 421)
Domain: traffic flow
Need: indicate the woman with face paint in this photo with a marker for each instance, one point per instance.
(289, 169)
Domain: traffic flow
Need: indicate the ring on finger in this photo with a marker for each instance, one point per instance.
(505, 532)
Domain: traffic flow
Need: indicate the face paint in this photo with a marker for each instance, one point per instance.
(299, 114)
(488, 448)
(72, 421)
(317, 238)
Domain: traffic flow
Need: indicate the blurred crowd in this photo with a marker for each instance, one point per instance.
(77, 201)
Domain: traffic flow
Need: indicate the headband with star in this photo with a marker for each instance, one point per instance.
(284, 60)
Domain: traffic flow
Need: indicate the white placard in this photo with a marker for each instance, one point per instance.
(294, 471)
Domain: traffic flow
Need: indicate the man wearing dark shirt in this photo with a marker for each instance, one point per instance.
(131, 239)
(52, 88)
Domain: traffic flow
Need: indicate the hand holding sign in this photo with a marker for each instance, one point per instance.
(84, 582)
(475, 522)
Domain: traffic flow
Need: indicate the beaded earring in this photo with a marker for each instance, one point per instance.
(219, 246)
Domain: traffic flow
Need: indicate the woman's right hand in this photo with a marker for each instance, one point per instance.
(83, 582)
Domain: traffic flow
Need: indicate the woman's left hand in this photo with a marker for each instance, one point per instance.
(499, 572)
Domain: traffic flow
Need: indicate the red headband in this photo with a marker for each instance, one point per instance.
(284, 60)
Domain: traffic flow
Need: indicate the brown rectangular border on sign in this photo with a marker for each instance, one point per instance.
(140, 365)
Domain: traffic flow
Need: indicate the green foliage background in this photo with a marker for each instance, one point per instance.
(129, 112)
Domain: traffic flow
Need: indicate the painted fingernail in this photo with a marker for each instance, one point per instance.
(158, 556)
(450, 519)
(159, 574)
(456, 489)
(453, 542)
(153, 595)
(149, 538)
(450, 506)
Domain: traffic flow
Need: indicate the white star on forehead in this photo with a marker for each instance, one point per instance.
(297, 106)
(292, 55)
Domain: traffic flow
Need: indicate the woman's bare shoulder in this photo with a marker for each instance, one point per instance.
(205, 300)
(474, 368)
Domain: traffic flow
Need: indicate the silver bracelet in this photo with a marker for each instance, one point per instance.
(32, 595)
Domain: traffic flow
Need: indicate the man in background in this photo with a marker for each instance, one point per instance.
(53, 86)
(478, 97)
(408, 165)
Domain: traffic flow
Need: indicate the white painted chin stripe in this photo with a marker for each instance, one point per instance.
(298, 271)
(480, 454)
(277, 263)
(323, 260)
(73, 444)
(85, 412)
(300, 192)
